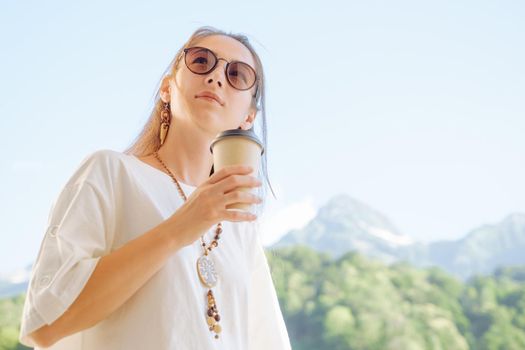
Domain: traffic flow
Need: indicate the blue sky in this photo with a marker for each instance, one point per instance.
(415, 108)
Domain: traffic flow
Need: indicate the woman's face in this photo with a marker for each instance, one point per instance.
(213, 117)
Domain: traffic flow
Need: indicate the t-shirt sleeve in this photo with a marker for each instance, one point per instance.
(266, 326)
(78, 233)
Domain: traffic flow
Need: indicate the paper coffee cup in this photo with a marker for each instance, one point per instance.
(237, 147)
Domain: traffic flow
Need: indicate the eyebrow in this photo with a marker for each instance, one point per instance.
(220, 56)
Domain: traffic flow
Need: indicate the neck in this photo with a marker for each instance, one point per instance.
(186, 152)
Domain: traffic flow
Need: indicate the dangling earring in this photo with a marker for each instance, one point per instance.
(165, 119)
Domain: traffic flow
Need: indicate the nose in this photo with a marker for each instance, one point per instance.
(218, 73)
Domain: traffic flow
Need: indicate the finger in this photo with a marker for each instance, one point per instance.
(241, 197)
(235, 181)
(238, 215)
(229, 170)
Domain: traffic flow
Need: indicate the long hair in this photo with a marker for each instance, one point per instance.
(148, 140)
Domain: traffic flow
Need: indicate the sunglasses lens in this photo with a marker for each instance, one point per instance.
(200, 60)
(241, 75)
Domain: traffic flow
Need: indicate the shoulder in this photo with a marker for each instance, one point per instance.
(103, 156)
(98, 168)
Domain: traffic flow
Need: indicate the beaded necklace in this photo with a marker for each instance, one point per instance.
(205, 266)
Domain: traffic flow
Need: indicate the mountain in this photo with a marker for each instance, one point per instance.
(345, 224)
(479, 252)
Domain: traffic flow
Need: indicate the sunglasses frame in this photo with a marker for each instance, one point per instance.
(217, 59)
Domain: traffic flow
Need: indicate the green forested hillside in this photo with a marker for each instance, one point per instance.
(10, 311)
(358, 303)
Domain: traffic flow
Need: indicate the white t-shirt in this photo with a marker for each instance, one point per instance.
(113, 198)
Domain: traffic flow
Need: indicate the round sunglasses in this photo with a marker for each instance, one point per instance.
(201, 60)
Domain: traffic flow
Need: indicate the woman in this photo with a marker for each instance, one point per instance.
(117, 265)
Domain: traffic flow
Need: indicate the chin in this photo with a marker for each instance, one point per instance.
(211, 121)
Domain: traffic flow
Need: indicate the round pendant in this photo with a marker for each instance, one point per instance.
(207, 272)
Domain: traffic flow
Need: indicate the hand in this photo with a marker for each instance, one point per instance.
(206, 206)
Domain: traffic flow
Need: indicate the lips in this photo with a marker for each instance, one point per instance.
(210, 94)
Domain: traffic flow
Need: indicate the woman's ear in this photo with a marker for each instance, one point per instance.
(165, 89)
(249, 120)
